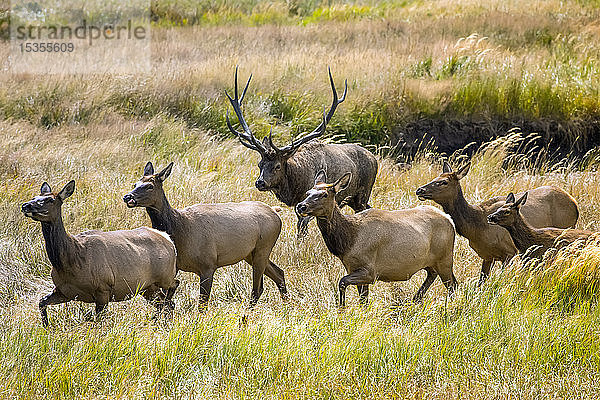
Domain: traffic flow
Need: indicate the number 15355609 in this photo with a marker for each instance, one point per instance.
(46, 47)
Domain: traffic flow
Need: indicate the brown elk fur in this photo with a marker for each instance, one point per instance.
(382, 245)
(526, 236)
(98, 267)
(549, 206)
(209, 236)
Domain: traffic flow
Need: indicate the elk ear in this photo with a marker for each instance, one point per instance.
(343, 182)
(522, 200)
(149, 169)
(463, 171)
(45, 189)
(320, 177)
(447, 168)
(67, 191)
(164, 174)
(510, 198)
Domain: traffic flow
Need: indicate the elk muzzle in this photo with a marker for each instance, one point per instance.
(30, 210)
(129, 200)
(422, 194)
(302, 209)
(261, 185)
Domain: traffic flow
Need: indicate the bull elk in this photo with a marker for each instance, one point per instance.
(99, 267)
(526, 236)
(548, 206)
(210, 236)
(288, 171)
(381, 245)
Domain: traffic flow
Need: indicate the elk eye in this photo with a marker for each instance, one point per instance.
(442, 183)
(277, 167)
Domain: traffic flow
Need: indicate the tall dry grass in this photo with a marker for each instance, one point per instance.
(529, 332)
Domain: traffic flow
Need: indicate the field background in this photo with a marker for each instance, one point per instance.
(413, 67)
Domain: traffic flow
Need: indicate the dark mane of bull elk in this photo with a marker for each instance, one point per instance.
(288, 171)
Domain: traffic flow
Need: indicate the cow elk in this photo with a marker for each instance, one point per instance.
(99, 267)
(548, 206)
(209, 236)
(526, 236)
(381, 245)
(288, 171)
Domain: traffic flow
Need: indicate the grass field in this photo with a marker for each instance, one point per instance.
(532, 331)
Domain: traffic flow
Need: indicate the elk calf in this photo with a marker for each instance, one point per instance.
(526, 236)
(209, 236)
(98, 267)
(550, 206)
(382, 245)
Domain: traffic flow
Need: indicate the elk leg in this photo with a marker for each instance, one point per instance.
(102, 299)
(257, 284)
(431, 275)
(205, 287)
(170, 293)
(100, 307)
(363, 293)
(449, 280)
(486, 267)
(55, 297)
(276, 275)
(362, 276)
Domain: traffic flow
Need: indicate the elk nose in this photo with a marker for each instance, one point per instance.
(420, 191)
(260, 184)
(26, 207)
(127, 197)
(301, 208)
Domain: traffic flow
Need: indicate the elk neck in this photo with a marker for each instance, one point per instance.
(338, 232)
(523, 234)
(163, 216)
(468, 219)
(59, 244)
(294, 184)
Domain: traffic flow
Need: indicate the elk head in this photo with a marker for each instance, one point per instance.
(507, 215)
(148, 191)
(47, 206)
(273, 162)
(320, 200)
(444, 188)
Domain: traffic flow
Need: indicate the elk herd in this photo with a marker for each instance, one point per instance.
(316, 179)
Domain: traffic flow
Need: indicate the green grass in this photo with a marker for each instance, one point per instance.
(530, 332)
(408, 64)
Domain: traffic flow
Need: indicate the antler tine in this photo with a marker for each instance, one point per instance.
(240, 135)
(326, 118)
(246, 138)
(277, 149)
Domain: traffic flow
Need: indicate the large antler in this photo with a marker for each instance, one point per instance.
(246, 138)
(292, 147)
